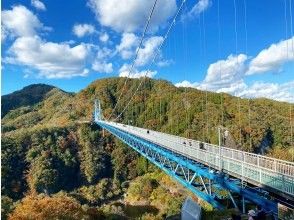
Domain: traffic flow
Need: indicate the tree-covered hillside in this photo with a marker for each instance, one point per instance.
(29, 95)
(159, 105)
(51, 156)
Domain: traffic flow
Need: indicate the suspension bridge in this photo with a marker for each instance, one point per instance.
(205, 169)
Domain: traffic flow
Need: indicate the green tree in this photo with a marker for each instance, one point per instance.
(93, 159)
(42, 176)
(124, 162)
(13, 167)
(7, 206)
(141, 165)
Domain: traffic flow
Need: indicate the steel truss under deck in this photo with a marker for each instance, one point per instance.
(199, 179)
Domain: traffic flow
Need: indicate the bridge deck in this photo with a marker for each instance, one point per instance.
(275, 174)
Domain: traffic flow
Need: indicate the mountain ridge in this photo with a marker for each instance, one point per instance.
(28, 95)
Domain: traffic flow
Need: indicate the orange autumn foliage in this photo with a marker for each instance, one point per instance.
(39, 207)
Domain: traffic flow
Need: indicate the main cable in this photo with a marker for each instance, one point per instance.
(155, 56)
(135, 58)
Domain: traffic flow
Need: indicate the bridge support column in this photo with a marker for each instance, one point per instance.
(209, 182)
(233, 201)
(243, 205)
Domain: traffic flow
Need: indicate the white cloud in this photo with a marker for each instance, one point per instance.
(104, 37)
(102, 66)
(128, 43)
(275, 91)
(280, 92)
(225, 73)
(272, 58)
(186, 83)
(100, 63)
(163, 63)
(131, 15)
(38, 5)
(198, 8)
(148, 50)
(20, 22)
(80, 30)
(125, 72)
(3, 34)
(229, 76)
(103, 52)
(51, 60)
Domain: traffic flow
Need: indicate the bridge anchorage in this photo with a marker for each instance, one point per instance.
(207, 170)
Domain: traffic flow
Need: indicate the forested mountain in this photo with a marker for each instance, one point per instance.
(29, 95)
(52, 158)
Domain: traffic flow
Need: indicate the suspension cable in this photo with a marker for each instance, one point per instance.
(249, 116)
(245, 26)
(206, 107)
(170, 94)
(220, 65)
(154, 57)
(291, 25)
(292, 54)
(236, 33)
(202, 92)
(291, 127)
(206, 92)
(236, 51)
(246, 52)
(286, 26)
(203, 123)
(160, 119)
(185, 74)
(135, 58)
(144, 101)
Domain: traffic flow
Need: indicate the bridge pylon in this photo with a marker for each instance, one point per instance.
(97, 111)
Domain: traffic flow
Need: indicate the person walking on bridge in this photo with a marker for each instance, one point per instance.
(251, 214)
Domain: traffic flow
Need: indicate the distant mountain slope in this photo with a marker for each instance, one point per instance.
(29, 95)
(159, 105)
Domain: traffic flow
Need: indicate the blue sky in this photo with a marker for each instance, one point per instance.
(71, 43)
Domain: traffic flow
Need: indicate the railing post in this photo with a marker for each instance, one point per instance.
(197, 151)
(242, 182)
(259, 169)
(242, 164)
